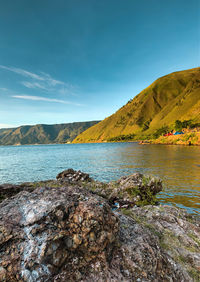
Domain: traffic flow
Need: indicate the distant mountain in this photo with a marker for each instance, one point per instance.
(172, 97)
(43, 134)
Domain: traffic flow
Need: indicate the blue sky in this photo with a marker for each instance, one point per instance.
(73, 60)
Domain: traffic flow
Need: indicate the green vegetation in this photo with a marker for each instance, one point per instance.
(194, 274)
(160, 131)
(133, 191)
(179, 125)
(146, 195)
(153, 230)
(149, 199)
(43, 134)
(129, 213)
(195, 125)
(174, 97)
(119, 138)
(146, 125)
(145, 180)
(197, 240)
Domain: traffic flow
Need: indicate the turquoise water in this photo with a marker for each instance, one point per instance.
(177, 166)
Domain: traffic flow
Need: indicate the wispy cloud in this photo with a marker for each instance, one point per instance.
(53, 81)
(42, 81)
(4, 89)
(22, 72)
(34, 85)
(39, 98)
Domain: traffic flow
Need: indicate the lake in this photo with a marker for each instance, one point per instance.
(177, 166)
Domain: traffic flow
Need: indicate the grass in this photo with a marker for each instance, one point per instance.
(197, 240)
(120, 138)
(153, 230)
(133, 191)
(145, 180)
(194, 274)
(129, 213)
(170, 98)
(146, 195)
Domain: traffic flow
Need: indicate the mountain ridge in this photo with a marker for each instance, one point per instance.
(43, 133)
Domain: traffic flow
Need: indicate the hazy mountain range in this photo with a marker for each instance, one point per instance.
(42, 133)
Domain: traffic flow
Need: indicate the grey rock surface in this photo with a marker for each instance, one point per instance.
(67, 231)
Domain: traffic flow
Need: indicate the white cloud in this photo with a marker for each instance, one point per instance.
(22, 72)
(42, 81)
(51, 80)
(34, 85)
(39, 98)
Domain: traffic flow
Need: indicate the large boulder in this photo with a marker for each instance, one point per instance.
(159, 243)
(63, 231)
(50, 229)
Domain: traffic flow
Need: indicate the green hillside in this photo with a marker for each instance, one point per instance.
(172, 97)
(42, 133)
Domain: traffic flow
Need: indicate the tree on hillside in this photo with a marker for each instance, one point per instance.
(179, 125)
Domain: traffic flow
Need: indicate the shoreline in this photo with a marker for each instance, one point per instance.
(140, 142)
(148, 142)
(187, 139)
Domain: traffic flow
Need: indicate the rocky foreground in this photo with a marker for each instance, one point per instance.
(78, 229)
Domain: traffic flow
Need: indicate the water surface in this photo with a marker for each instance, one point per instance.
(177, 166)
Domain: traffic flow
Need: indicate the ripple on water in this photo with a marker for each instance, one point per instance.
(177, 166)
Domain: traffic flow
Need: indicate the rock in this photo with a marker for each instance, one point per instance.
(9, 190)
(175, 234)
(128, 191)
(72, 176)
(48, 228)
(143, 183)
(146, 253)
(58, 231)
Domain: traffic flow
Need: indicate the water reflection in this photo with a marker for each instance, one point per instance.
(178, 166)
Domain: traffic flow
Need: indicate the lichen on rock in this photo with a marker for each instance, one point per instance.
(128, 191)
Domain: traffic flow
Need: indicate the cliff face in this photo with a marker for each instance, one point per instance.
(172, 97)
(77, 229)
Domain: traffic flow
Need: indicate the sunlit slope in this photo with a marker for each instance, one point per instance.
(171, 97)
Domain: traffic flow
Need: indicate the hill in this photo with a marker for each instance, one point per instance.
(43, 133)
(172, 97)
